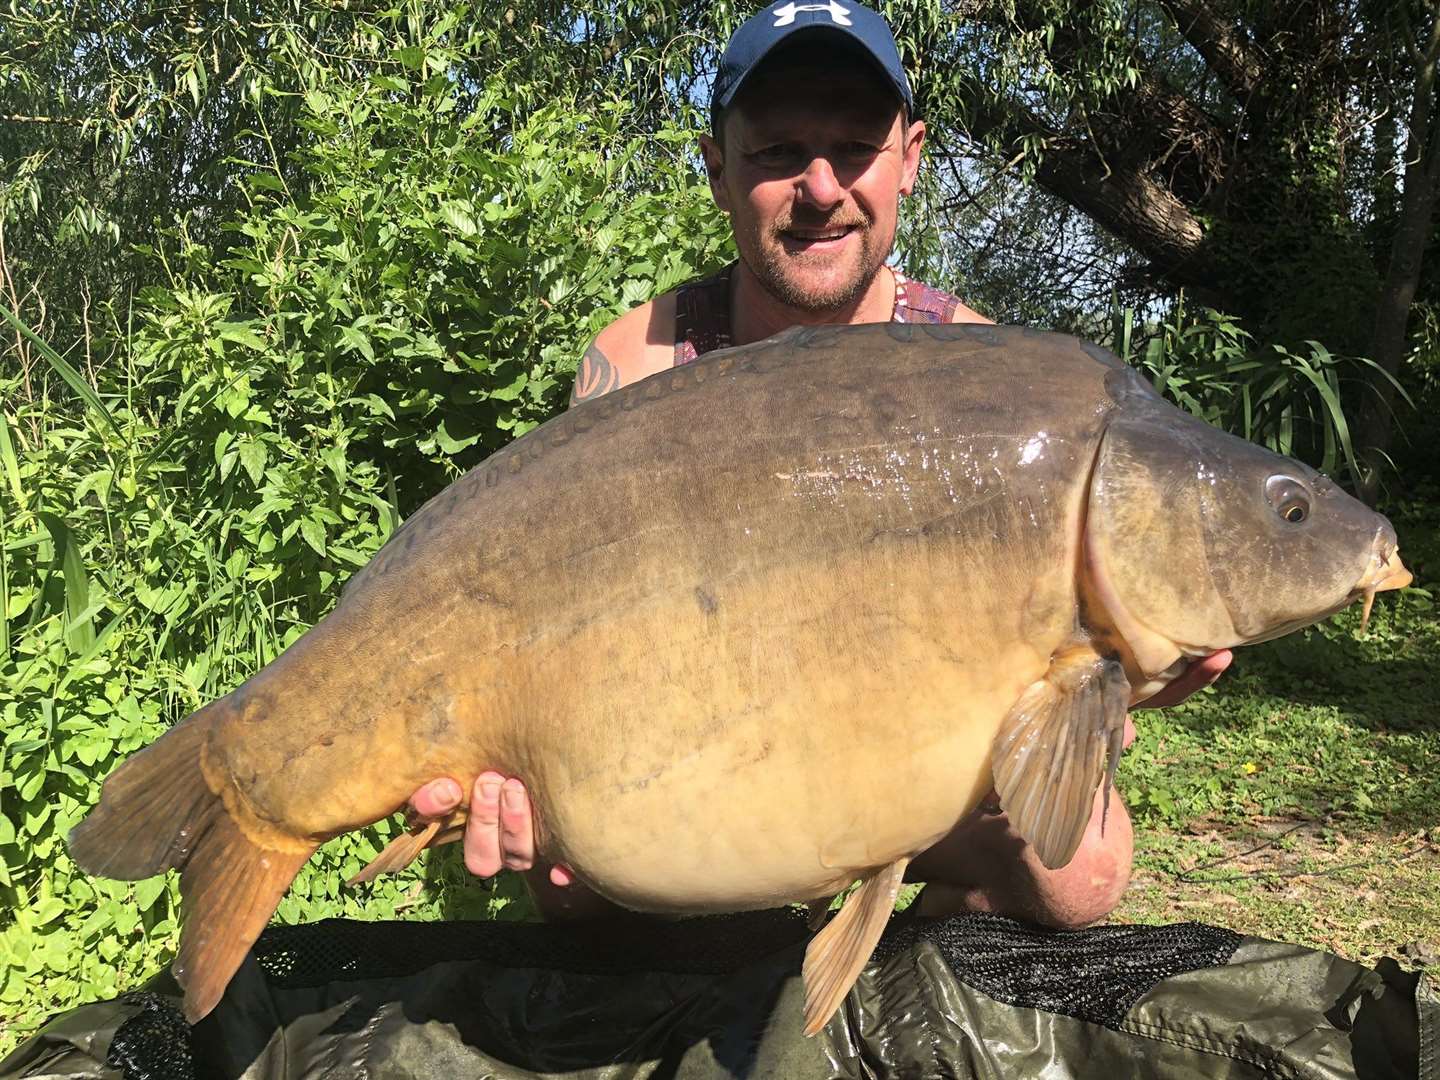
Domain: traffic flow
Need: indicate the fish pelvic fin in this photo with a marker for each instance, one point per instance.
(1058, 743)
(836, 956)
(158, 813)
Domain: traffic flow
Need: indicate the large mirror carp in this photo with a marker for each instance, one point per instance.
(757, 628)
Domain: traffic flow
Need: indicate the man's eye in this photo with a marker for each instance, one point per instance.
(770, 155)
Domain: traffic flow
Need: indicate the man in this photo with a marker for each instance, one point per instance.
(813, 143)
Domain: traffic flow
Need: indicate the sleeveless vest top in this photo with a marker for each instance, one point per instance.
(702, 311)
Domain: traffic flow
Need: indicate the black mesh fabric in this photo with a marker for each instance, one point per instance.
(1094, 975)
(154, 1044)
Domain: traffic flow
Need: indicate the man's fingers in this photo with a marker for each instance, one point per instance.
(482, 831)
(517, 831)
(437, 798)
(1197, 676)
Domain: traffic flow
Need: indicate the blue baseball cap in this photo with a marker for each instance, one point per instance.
(761, 33)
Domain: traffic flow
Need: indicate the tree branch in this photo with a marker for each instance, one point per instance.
(1226, 52)
(1155, 121)
(17, 119)
(1123, 197)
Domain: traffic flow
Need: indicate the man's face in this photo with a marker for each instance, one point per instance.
(814, 164)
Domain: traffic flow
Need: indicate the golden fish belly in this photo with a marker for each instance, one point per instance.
(776, 742)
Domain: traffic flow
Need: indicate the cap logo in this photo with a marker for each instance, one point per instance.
(839, 14)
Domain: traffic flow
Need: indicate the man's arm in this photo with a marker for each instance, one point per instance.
(594, 376)
(963, 314)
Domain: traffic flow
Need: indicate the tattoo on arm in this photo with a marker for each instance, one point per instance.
(595, 376)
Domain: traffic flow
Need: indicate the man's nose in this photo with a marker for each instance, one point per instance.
(818, 185)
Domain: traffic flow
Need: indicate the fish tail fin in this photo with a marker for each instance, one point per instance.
(146, 820)
(157, 813)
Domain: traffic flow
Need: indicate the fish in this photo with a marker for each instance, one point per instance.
(754, 630)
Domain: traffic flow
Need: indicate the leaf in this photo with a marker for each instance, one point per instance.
(62, 367)
(314, 534)
(511, 392)
(450, 443)
(458, 215)
(148, 891)
(241, 334)
(10, 462)
(357, 341)
(5, 599)
(99, 482)
(253, 455)
(47, 910)
(391, 517)
(79, 631)
(101, 639)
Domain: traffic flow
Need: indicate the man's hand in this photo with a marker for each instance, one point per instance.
(500, 833)
(1197, 676)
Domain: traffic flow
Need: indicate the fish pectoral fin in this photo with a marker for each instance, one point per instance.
(836, 955)
(406, 847)
(1051, 751)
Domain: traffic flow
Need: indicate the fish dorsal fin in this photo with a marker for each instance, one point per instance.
(836, 955)
(1051, 751)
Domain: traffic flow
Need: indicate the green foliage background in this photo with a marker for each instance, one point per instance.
(307, 264)
(403, 292)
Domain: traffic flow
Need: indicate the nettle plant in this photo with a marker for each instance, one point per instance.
(402, 296)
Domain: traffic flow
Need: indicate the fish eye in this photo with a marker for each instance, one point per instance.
(1289, 497)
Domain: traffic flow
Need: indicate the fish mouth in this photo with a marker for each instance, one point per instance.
(1384, 573)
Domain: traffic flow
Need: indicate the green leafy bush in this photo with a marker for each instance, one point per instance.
(1301, 404)
(407, 292)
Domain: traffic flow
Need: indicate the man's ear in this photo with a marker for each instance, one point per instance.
(913, 141)
(715, 170)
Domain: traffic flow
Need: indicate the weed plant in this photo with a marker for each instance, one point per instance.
(407, 293)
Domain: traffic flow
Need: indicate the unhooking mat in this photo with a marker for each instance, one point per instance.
(973, 997)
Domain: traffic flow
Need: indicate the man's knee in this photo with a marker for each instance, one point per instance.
(1085, 898)
(1093, 884)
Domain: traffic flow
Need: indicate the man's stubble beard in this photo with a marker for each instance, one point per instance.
(770, 263)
